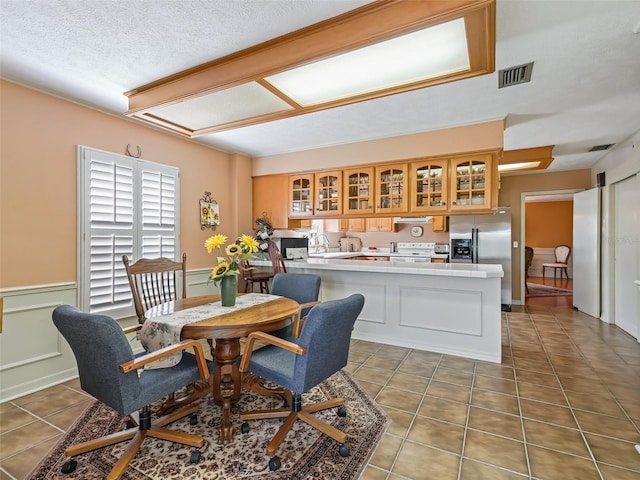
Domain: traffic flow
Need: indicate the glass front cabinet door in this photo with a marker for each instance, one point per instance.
(358, 190)
(471, 182)
(328, 193)
(301, 195)
(429, 186)
(391, 196)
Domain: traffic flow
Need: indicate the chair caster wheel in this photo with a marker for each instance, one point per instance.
(344, 450)
(274, 463)
(195, 456)
(69, 466)
(244, 428)
(193, 419)
(342, 412)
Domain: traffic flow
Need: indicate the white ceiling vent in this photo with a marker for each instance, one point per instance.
(599, 148)
(515, 75)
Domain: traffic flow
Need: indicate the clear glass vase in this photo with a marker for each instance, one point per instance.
(228, 290)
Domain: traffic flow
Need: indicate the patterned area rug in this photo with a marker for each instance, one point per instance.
(537, 290)
(305, 453)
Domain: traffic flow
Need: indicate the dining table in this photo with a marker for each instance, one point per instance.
(226, 326)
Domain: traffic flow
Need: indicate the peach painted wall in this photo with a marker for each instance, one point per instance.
(511, 189)
(549, 224)
(38, 182)
(483, 136)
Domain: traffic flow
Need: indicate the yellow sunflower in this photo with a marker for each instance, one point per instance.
(250, 242)
(215, 241)
(233, 250)
(220, 270)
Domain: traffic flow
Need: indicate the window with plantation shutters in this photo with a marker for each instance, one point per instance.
(127, 207)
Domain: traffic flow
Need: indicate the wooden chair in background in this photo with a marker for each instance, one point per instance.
(562, 253)
(528, 258)
(154, 281)
(277, 262)
(251, 277)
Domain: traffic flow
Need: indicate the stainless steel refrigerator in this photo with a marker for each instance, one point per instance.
(484, 239)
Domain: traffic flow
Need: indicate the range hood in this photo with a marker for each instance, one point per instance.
(412, 219)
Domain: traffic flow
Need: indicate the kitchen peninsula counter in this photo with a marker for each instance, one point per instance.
(439, 307)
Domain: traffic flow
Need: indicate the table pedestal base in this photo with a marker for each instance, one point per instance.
(226, 383)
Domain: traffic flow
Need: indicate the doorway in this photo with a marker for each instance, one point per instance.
(546, 222)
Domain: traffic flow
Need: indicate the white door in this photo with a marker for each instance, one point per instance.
(627, 254)
(586, 252)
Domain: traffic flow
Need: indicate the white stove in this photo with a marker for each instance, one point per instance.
(414, 251)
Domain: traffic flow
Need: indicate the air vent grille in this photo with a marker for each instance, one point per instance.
(515, 75)
(599, 148)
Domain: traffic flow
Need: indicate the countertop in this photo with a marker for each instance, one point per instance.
(418, 268)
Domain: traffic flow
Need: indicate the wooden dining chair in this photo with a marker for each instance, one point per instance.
(277, 262)
(154, 281)
(251, 278)
(528, 259)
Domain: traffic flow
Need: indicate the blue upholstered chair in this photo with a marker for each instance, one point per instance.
(109, 371)
(302, 363)
(304, 288)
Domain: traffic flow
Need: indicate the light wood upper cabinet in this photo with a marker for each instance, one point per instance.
(328, 193)
(358, 190)
(471, 184)
(390, 188)
(270, 198)
(352, 225)
(377, 224)
(301, 196)
(429, 185)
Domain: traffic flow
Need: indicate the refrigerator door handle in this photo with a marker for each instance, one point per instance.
(474, 245)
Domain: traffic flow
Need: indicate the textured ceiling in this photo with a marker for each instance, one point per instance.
(584, 90)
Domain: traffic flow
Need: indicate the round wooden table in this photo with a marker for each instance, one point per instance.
(226, 330)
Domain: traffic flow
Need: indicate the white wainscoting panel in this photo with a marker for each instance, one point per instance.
(453, 311)
(33, 355)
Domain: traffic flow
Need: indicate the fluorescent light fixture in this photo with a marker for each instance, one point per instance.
(230, 105)
(417, 56)
(382, 48)
(517, 166)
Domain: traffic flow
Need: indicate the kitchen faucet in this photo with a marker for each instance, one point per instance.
(325, 242)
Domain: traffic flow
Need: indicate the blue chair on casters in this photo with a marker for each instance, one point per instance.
(302, 363)
(109, 371)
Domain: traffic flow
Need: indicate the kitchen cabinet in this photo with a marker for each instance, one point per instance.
(376, 224)
(390, 185)
(472, 178)
(352, 225)
(300, 188)
(357, 193)
(270, 199)
(328, 193)
(440, 223)
(429, 185)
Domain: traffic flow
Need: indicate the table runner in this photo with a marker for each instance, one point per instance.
(160, 332)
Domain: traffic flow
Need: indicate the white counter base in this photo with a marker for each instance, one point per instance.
(444, 308)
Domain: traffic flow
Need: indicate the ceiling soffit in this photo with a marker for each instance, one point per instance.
(183, 102)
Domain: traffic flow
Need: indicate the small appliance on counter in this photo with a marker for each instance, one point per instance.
(441, 253)
(350, 244)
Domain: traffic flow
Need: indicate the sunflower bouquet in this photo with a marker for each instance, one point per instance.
(229, 264)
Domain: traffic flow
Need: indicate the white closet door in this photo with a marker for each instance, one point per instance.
(627, 254)
(586, 252)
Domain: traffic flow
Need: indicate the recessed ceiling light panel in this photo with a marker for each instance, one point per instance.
(417, 56)
(226, 106)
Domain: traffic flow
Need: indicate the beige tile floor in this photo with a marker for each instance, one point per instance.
(564, 404)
